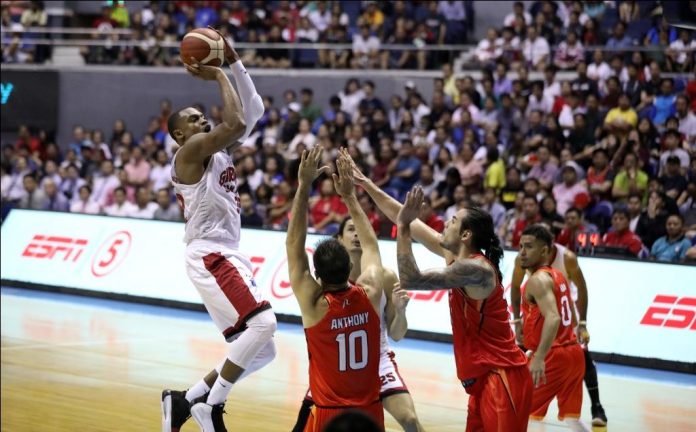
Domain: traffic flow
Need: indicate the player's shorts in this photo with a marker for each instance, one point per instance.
(319, 417)
(223, 278)
(500, 401)
(565, 369)
(391, 381)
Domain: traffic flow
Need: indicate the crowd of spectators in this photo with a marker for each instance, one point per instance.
(606, 159)
(567, 33)
(365, 25)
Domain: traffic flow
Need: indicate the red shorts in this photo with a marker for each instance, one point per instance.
(500, 401)
(320, 417)
(565, 369)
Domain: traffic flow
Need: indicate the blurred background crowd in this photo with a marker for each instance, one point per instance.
(605, 156)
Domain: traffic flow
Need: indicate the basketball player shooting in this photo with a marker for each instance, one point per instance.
(205, 181)
(557, 362)
(490, 366)
(341, 320)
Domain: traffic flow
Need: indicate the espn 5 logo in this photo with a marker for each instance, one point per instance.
(671, 311)
(46, 247)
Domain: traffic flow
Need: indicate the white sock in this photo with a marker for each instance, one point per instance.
(218, 394)
(197, 391)
(576, 425)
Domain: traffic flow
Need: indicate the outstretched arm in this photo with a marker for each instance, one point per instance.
(200, 146)
(390, 207)
(474, 276)
(304, 286)
(345, 187)
(395, 310)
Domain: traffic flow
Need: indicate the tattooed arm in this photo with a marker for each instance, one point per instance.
(474, 276)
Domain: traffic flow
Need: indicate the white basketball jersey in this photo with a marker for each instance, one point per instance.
(211, 207)
(384, 341)
(559, 260)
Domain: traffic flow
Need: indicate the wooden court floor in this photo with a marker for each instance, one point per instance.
(71, 364)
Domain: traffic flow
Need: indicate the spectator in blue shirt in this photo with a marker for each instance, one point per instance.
(619, 40)
(405, 172)
(674, 245)
(665, 102)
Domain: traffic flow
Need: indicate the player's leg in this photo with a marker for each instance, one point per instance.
(599, 418)
(497, 403)
(303, 414)
(401, 407)
(225, 283)
(570, 395)
(544, 393)
(394, 394)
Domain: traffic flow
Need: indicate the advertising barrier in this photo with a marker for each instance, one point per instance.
(636, 309)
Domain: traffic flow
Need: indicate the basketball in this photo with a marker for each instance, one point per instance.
(204, 45)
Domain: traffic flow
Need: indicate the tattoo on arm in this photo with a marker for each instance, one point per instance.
(461, 274)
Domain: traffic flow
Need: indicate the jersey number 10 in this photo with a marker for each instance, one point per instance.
(349, 356)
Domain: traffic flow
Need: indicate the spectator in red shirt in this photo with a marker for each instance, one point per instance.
(369, 209)
(574, 225)
(429, 217)
(328, 211)
(530, 215)
(621, 236)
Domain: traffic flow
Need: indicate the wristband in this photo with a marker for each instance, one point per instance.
(582, 323)
(516, 320)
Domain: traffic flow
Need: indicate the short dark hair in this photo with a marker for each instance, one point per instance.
(89, 189)
(342, 226)
(621, 211)
(531, 197)
(352, 420)
(574, 210)
(120, 189)
(173, 122)
(331, 262)
(307, 91)
(540, 233)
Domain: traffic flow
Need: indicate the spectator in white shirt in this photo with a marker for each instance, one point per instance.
(535, 49)
(320, 17)
(518, 14)
(304, 136)
(121, 206)
(465, 104)
(599, 70)
(85, 204)
(687, 119)
(678, 52)
(306, 31)
(145, 208)
(50, 172)
(104, 184)
(365, 49)
(350, 96)
(161, 172)
(552, 88)
(538, 101)
(569, 52)
(488, 50)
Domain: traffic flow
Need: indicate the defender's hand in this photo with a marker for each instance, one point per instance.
(411, 208)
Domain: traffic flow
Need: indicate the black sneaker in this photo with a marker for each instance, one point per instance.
(175, 410)
(209, 417)
(598, 416)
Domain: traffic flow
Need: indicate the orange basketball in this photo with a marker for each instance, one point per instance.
(204, 45)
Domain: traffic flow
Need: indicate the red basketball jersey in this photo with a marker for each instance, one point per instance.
(481, 333)
(534, 321)
(344, 351)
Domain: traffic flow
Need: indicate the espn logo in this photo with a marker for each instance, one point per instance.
(46, 247)
(671, 311)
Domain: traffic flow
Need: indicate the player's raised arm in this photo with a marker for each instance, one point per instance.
(390, 207)
(200, 146)
(474, 276)
(345, 187)
(304, 286)
(540, 289)
(252, 104)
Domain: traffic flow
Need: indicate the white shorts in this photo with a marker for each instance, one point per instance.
(391, 381)
(223, 278)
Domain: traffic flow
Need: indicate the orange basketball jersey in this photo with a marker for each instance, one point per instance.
(344, 351)
(534, 321)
